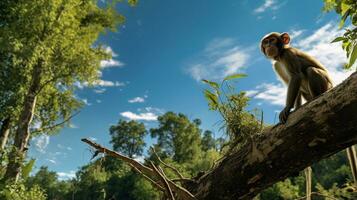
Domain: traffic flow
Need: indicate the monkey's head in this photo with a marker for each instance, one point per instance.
(273, 43)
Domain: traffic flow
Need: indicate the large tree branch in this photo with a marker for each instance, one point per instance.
(315, 131)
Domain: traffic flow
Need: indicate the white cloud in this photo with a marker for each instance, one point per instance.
(220, 58)
(137, 100)
(51, 161)
(93, 138)
(111, 62)
(85, 101)
(99, 83)
(151, 109)
(100, 90)
(295, 33)
(268, 4)
(104, 83)
(272, 93)
(64, 147)
(41, 143)
(145, 116)
(109, 49)
(66, 175)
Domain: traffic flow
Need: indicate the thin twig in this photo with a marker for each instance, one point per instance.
(167, 165)
(56, 125)
(164, 181)
(148, 178)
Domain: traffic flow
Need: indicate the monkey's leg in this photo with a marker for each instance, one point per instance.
(351, 154)
(318, 82)
(308, 172)
(298, 101)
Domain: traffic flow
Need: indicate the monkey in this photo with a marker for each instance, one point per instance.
(305, 77)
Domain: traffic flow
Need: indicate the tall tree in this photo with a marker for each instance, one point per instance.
(128, 137)
(208, 142)
(50, 45)
(48, 181)
(178, 137)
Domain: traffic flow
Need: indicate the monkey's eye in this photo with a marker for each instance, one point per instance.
(265, 42)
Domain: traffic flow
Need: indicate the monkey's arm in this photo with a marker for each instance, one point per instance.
(293, 90)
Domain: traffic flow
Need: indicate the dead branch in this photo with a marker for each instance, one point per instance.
(151, 174)
(148, 178)
(163, 179)
(167, 165)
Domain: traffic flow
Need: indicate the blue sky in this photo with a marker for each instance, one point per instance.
(165, 48)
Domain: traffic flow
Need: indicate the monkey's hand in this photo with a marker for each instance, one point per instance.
(283, 116)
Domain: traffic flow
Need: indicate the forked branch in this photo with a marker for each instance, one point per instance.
(154, 174)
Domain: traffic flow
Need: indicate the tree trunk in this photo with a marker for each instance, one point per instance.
(315, 131)
(22, 134)
(352, 158)
(4, 132)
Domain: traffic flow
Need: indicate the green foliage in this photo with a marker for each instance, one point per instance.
(177, 137)
(239, 123)
(208, 142)
(49, 183)
(332, 170)
(26, 169)
(347, 9)
(280, 191)
(91, 182)
(128, 137)
(19, 191)
(337, 192)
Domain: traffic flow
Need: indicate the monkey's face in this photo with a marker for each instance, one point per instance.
(270, 47)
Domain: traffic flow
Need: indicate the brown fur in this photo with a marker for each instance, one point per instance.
(304, 75)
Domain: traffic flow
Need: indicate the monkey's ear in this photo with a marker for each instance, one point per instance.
(285, 37)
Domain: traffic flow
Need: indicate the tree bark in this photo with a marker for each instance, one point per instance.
(315, 131)
(22, 134)
(4, 132)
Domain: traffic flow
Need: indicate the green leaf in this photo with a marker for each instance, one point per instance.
(344, 17)
(234, 76)
(133, 2)
(212, 99)
(353, 56)
(338, 39)
(26, 169)
(211, 83)
(344, 8)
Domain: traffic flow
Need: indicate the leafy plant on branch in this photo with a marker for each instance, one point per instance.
(239, 124)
